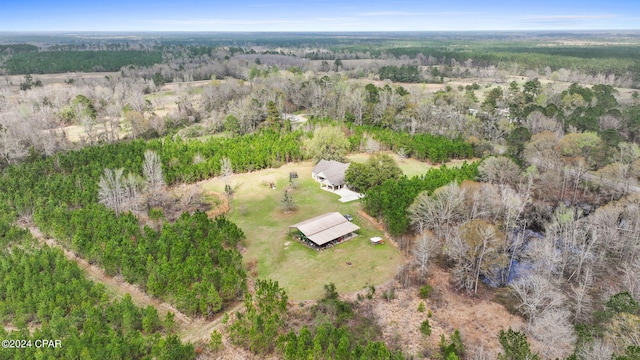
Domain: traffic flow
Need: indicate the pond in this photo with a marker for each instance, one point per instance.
(517, 266)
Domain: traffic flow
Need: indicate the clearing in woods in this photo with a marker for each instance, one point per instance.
(272, 253)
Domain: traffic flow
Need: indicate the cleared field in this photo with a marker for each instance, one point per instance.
(410, 166)
(257, 209)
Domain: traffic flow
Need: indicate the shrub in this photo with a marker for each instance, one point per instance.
(425, 291)
(389, 294)
(421, 307)
(330, 292)
(425, 328)
(371, 291)
(215, 343)
(453, 346)
(622, 302)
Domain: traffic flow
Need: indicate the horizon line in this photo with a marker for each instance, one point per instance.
(317, 31)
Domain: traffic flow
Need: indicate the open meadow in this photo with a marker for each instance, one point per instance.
(257, 210)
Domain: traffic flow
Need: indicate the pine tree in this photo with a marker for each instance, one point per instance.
(170, 323)
(215, 341)
(287, 201)
(342, 352)
(515, 346)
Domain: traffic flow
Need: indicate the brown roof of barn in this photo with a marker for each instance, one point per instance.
(326, 227)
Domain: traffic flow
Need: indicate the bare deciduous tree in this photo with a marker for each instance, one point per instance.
(133, 187)
(477, 248)
(482, 354)
(630, 279)
(538, 295)
(566, 234)
(90, 129)
(189, 197)
(11, 148)
(537, 122)
(481, 201)
(111, 190)
(607, 122)
(581, 299)
(226, 168)
(424, 249)
(438, 210)
(356, 103)
(152, 170)
(541, 151)
(553, 329)
(372, 145)
(499, 170)
(597, 349)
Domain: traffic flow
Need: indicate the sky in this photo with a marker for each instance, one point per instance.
(333, 15)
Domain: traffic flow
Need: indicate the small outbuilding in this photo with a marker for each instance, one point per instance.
(325, 230)
(330, 174)
(376, 240)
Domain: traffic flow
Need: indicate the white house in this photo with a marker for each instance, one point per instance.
(330, 174)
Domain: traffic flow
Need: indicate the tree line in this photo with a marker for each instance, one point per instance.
(404, 73)
(51, 62)
(421, 146)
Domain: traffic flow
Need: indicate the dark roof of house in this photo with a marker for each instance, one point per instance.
(332, 171)
(326, 227)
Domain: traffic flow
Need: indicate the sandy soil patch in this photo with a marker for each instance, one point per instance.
(479, 320)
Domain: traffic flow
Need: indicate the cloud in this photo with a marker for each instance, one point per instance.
(408, 13)
(571, 18)
(586, 21)
(300, 24)
(270, 4)
(460, 13)
(334, 19)
(197, 22)
(389, 13)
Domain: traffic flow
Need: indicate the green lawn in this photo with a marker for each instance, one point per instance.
(301, 271)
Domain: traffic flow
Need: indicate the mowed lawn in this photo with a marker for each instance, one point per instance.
(303, 272)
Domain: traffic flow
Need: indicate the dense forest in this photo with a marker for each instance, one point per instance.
(45, 296)
(51, 62)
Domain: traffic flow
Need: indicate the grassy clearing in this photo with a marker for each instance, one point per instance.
(301, 271)
(410, 166)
